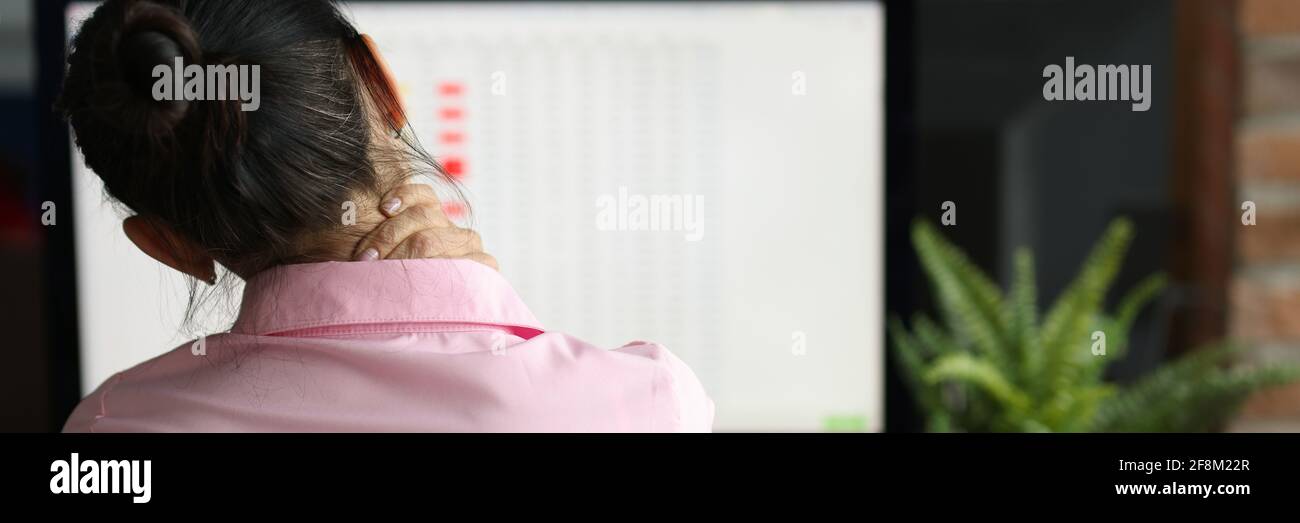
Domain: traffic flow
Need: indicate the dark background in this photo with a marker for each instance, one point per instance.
(1025, 172)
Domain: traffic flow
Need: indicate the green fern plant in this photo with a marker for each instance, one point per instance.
(992, 364)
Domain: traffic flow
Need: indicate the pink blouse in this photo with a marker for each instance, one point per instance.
(395, 345)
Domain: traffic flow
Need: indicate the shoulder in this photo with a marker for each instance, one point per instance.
(103, 405)
(694, 409)
(91, 408)
(640, 369)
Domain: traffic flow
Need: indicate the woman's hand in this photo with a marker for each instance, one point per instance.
(417, 228)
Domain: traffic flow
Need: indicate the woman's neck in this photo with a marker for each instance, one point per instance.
(337, 244)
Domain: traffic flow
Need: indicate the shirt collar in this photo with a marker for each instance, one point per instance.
(385, 292)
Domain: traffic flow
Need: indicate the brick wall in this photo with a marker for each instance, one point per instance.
(1265, 297)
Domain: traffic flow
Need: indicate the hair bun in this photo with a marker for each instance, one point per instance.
(153, 35)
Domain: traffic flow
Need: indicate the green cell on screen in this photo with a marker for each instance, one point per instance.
(845, 423)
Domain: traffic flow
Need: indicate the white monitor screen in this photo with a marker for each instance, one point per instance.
(706, 176)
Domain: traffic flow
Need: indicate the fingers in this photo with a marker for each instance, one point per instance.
(410, 195)
(447, 242)
(417, 228)
(410, 208)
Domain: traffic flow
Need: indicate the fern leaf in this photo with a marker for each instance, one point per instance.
(911, 354)
(1133, 303)
(934, 341)
(1024, 316)
(1118, 327)
(981, 374)
(1162, 398)
(1065, 330)
(970, 302)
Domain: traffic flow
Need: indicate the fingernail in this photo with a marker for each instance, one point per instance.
(369, 255)
(392, 205)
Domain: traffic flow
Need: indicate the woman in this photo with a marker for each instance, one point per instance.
(364, 308)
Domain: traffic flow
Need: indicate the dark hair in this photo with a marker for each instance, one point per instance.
(253, 188)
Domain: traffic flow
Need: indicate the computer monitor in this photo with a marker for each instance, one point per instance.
(708, 176)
